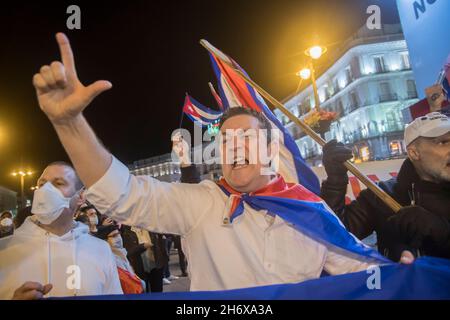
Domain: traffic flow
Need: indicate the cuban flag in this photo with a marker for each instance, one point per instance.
(235, 92)
(304, 211)
(198, 113)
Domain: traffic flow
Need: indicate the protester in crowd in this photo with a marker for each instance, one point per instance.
(144, 253)
(21, 215)
(89, 216)
(181, 257)
(129, 281)
(189, 174)
(137, 251)
(181, 153)
(50, 250)
(168, 276)
(422, 187)
(6, 224)
(224, 251)
(160, 261)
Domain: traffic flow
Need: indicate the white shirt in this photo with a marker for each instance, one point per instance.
(255, 250)
(33, 254)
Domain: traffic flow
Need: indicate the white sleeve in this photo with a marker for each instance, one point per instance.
(148, 203)
(339, 263)
(112, 285)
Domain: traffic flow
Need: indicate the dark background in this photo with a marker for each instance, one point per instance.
(149, 50)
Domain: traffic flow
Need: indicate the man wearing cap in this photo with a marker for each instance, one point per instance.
(422, 187)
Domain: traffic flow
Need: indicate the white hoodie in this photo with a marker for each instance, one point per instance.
(33, 254)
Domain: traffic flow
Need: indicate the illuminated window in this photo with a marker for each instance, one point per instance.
(364, 153)
(406, 64)
(380, 66)
(395, 147)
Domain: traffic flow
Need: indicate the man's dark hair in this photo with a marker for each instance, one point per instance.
(6, 213)
(88, 207)
(78, 183)
(237, 111)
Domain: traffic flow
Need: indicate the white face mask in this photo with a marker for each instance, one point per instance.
(93, 220)
(6, 223)
(49, 203)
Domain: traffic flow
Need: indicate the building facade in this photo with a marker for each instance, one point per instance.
(164, 169)
(368, 84)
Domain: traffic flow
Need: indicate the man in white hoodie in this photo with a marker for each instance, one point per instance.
(51, 254)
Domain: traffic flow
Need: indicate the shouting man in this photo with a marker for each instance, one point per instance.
(231, 239)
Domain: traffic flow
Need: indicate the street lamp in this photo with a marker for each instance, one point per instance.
(305, 73)
(314, 53)
(22, 174)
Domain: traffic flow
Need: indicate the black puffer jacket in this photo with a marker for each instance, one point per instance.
(368, 213)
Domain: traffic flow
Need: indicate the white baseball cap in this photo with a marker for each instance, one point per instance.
(432, 125)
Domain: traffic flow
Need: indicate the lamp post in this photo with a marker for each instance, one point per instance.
(22, 174)
(314, 53)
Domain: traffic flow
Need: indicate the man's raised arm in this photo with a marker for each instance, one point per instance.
(63, 98)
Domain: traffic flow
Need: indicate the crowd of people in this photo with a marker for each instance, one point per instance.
(141, 257)
(95, 229)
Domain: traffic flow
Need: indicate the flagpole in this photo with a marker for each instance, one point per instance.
(182, 113)
(387, 199)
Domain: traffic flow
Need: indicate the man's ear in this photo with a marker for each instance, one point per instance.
(413, 152)
(273, 149)
(274, 154)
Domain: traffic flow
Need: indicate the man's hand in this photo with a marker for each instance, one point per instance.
(334, 156)
(31, 291)
(407, 257)
(60, 94)
(181, 149)
(414, 224)
(108, 222)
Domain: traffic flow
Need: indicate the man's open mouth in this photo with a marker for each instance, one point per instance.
(240, 163)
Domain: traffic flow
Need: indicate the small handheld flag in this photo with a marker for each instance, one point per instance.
(198, 113)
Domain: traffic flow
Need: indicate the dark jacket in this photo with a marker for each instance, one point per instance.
(190, 174)
(135, 250)
(368, 213)
(159, 250)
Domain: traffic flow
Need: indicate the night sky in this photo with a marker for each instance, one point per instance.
(149, 50)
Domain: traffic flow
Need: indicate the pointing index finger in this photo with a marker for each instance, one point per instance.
(66, 53)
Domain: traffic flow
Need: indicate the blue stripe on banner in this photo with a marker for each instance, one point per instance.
(426, 279)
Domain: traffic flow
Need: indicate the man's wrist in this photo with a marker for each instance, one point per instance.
(70, 124)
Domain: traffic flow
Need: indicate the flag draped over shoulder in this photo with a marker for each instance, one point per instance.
(426, 279)
(234, 92)
(305, 212)
(198, 113)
